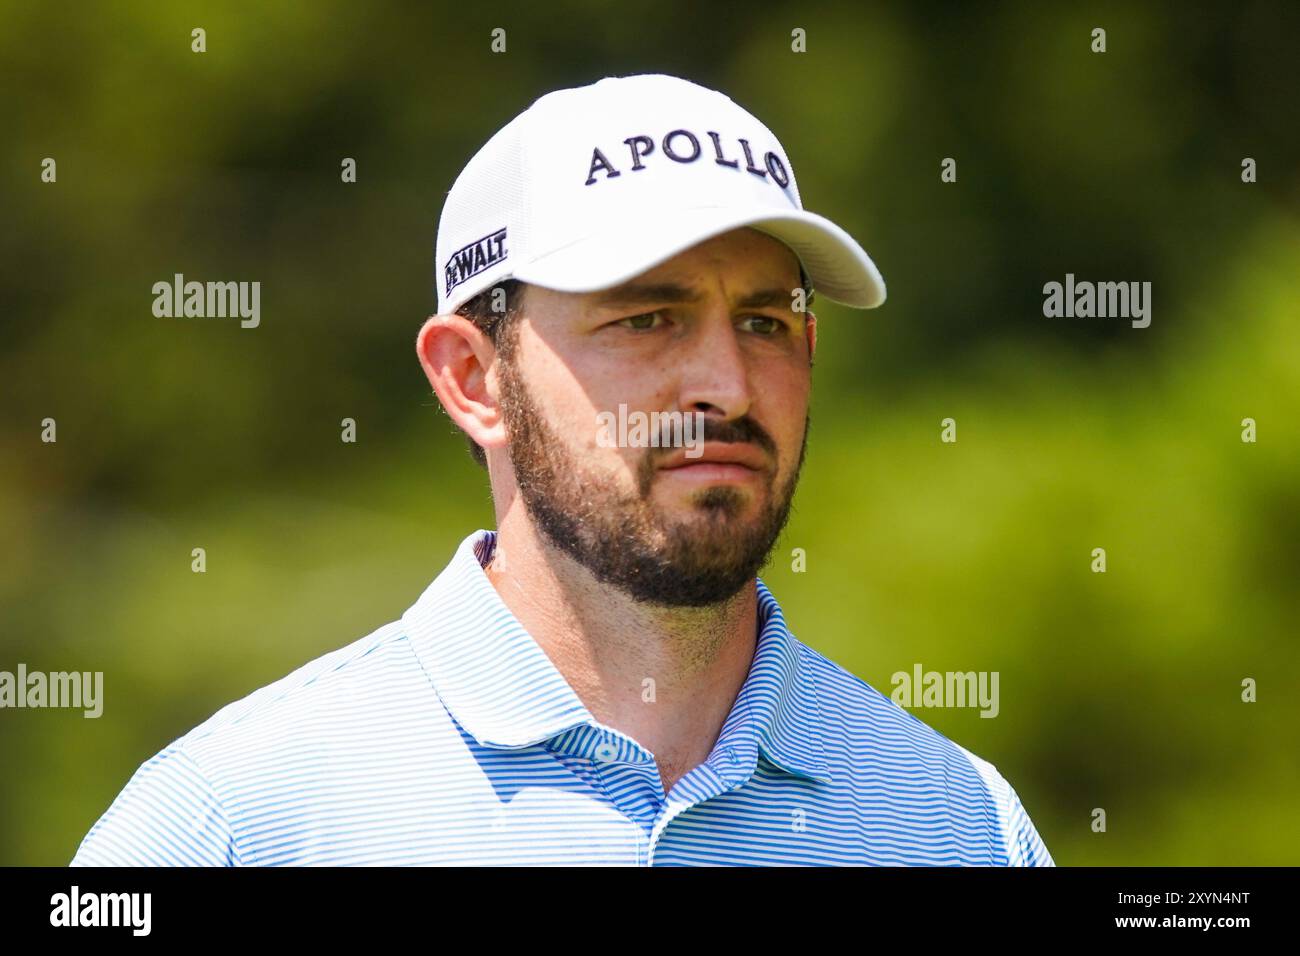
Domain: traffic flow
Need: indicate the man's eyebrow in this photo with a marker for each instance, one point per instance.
(637, 293)
(762, 298)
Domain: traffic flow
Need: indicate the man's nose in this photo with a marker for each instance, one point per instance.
(713, 374)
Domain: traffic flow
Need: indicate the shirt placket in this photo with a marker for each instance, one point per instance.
(624, 772)
(724, 771)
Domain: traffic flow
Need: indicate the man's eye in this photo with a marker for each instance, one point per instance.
(763, 324)
(641, 322)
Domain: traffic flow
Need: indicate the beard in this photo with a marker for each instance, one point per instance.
(623, 539)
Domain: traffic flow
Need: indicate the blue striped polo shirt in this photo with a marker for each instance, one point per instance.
(449, 737)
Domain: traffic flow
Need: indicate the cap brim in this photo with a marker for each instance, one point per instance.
(838, 268)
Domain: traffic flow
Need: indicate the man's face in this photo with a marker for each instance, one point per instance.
(710, 330)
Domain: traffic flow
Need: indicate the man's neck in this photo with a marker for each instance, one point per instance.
(666, 677)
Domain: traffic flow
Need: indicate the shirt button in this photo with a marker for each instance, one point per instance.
(605, 753)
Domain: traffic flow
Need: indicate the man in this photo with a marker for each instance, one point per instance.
(603, 679)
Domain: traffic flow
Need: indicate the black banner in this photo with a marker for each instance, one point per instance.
(337, 905)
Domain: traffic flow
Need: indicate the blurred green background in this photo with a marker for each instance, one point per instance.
(1118, 690)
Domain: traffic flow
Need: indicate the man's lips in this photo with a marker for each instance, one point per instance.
(746, 456)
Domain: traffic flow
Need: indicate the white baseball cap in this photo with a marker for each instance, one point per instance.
(592, 186)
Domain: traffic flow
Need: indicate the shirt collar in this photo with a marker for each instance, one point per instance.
(505, 692)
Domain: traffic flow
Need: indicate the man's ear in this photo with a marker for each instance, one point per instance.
(810, 332)
(458, 359)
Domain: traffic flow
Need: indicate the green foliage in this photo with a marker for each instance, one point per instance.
(1119, 690)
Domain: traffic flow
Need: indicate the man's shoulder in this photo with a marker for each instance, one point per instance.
(272, 751)
(864, 728)
(329, 712)
(854, 710)
(356, 670)
(881, 749)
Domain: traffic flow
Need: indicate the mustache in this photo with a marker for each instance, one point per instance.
(737, 431)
